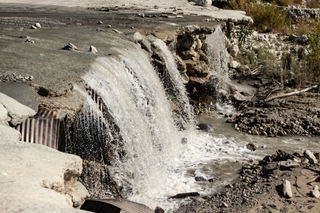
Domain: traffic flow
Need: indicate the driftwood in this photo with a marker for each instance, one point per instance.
(183, 195)
(291, 93)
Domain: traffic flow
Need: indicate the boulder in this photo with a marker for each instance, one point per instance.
(287, 189)
(17, 112)
(36, 178)
(312, 159)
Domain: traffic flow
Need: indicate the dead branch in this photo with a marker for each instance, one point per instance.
(291, 93)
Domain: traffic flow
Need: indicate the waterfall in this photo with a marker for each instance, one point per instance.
(127, 135)
(217, 54)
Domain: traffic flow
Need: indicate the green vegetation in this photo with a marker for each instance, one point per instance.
(270, 17)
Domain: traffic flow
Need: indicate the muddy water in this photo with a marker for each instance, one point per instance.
(225, 170)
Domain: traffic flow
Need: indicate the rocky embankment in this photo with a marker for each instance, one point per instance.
(279, 183)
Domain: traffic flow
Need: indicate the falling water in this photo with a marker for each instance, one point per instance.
(217, 54)
(140, 141)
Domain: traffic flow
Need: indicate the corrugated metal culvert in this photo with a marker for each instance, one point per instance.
(46, 127)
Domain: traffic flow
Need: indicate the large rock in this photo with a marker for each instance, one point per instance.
(36, 178)
(3, 113)
(17, 112)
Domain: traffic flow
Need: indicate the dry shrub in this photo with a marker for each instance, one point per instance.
(312, 4)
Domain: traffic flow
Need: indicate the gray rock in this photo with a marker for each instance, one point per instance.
(287, 189)
(312, 159)
(17, 112)
(100, 22)
(4, 113)
(38, 178)
(92, 49)
(33, 27)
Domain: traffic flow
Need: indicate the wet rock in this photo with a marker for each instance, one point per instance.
(184, 140)
(92, 49)
(200, 178)
(158, 210)
(287, 189)
(70, 46)
(237, 96)
(251, 147)
(205, 3)
(308, 154)
(205, 127)
(135, 37)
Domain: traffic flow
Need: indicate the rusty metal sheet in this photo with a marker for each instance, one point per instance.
(109, 205)
(46, 128)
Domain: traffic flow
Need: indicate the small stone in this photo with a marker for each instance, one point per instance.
(234, 64)
(28, 40)
(70, 46)
(92, 49)
(315, 192)
(251, 147)
(100, 22)
(33, 27)
(158, 210)
(225, 205)
(287, 189)
(184, 141)
(312, 159)
(109, 26)
(199, 178)
(38, 25)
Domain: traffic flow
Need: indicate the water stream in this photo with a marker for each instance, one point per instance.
(156, 164)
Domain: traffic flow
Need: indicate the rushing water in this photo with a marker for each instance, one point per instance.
(156, 163)
(217, 54)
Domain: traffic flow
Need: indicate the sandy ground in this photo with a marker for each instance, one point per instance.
(151, 5)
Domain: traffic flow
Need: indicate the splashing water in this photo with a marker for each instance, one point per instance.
(156, 164)
(217, 54)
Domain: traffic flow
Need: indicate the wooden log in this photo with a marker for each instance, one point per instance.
(183, 195)
(291, 93)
